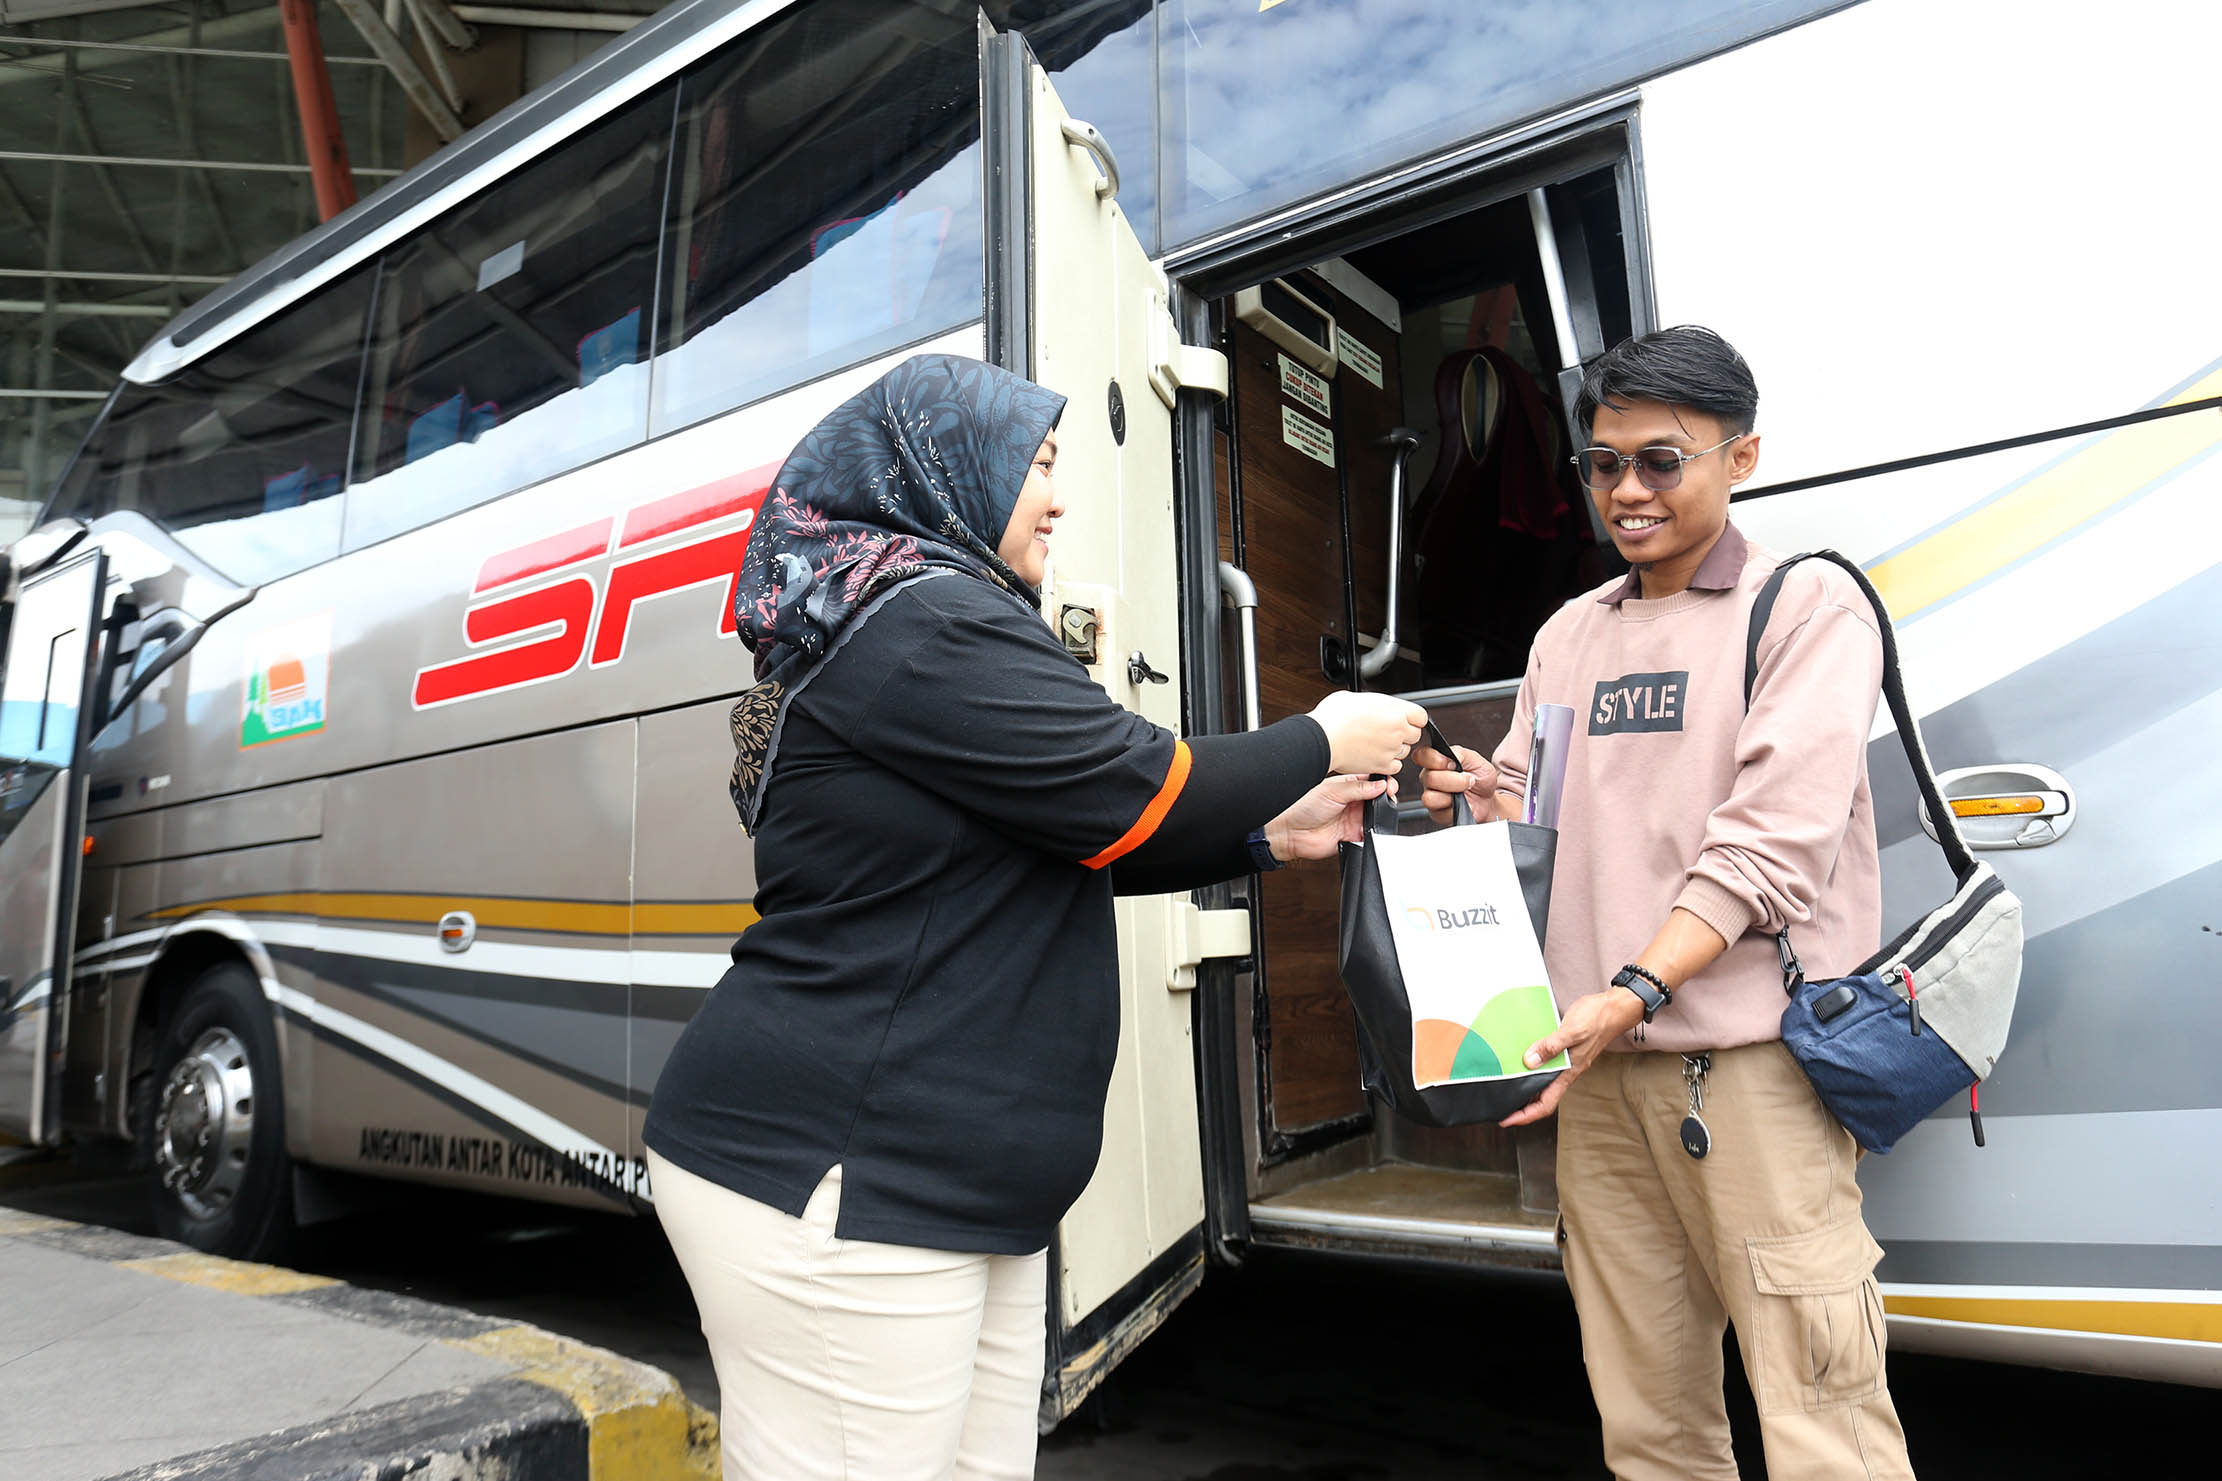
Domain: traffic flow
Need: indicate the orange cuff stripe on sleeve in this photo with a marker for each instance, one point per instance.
(1176, 777)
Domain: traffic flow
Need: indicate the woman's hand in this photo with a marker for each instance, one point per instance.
(1368, 734)
(1329, 814)
(1589, 1024)
(1473, 775)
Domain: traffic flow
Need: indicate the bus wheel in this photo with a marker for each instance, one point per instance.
(218, 1170)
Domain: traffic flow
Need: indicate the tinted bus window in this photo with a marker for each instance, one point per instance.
(242, 455)
(1260, 107)
(509, 338)
(825, 207)
(1102, 57)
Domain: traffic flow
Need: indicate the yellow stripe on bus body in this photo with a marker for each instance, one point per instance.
(2182, 1321)
(2048, 505)
(573, 917)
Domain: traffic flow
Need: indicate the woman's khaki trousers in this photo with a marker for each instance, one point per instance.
(846, 1360)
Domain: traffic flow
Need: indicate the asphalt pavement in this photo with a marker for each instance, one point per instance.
(1293, 1368)
(133, 1358)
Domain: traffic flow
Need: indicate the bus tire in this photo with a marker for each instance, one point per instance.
(217, 1171)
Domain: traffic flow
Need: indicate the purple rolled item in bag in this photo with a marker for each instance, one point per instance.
(1554, 730)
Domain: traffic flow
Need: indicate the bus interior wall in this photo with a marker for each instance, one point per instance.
(1446, 331)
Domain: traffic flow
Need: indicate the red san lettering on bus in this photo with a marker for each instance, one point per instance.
(738, 493)
(542, 556)
(632, 582)
(568, 605)
(693, 564)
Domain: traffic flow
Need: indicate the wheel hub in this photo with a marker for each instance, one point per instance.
(204, 1125)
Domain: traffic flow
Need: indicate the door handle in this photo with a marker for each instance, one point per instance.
(2007, 805)
(1087, 136)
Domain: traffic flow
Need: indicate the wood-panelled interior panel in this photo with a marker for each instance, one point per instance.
(1292, 531)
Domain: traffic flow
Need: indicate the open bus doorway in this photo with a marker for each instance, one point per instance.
(1395, 476)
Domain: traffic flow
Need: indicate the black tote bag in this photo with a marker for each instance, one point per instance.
(1373, 974)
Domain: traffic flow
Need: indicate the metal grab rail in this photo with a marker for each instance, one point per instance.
(1403, 440)
(1238, 591)
(1087, 136)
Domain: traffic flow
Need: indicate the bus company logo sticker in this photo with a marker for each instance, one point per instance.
(289, 676)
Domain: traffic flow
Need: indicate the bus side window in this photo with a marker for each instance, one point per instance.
(825, 205)
(241, 455)
(507, 346)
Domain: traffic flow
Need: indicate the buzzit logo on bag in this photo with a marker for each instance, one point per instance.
(1477, 998)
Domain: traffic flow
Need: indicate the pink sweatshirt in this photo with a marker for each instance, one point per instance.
(1676, 796)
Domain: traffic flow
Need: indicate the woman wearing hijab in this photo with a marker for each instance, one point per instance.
(862, 1144)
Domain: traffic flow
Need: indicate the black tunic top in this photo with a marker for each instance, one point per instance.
(930, 999)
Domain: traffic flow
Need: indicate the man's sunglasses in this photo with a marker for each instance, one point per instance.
(1657, 468)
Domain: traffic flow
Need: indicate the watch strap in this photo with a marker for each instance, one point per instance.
(1647, 985)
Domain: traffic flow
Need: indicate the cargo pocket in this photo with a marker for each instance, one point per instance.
(1818, 1321)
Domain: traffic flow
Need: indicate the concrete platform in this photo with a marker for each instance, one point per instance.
(128, 1357)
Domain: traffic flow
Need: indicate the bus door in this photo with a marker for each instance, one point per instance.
(46, 692)
(1075, 303)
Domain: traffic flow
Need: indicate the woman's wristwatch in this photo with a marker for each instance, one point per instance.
(1645, 984)
(1261, 852)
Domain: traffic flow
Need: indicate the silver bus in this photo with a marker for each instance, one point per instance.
(363, 736)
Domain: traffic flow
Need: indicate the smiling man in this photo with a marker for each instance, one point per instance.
(1702, 1184)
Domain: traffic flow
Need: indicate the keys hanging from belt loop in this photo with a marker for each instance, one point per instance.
(1697, 1140)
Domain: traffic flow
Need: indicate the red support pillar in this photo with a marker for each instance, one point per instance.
(312, 92)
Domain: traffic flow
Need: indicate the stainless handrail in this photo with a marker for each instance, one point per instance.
(1087, 136)
(1238, 591)
(1403, 439)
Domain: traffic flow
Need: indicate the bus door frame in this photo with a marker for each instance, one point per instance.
(47, 861)
(1604, 134)
(1059, 250)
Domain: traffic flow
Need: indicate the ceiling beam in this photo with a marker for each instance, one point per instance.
(442, 18)
(268, 167)
(528, 18)
(372, 27)
(85, 310)
(67, 275)
(107, 179)
(153, 49)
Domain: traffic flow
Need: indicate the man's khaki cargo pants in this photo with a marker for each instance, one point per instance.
(1663, 1249)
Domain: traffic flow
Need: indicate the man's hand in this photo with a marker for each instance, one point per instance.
(1588, 1026)
(1328, 814)
(1445, 779)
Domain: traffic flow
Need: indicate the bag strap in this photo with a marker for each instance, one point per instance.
(1955, 848)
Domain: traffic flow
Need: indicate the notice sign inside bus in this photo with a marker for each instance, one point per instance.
(289, 673)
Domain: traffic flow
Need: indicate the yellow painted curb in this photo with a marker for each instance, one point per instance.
(239, 1277)
(639, 1425)
(14, 1222)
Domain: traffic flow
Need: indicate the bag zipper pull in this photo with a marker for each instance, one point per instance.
(1913, 999)
(1975, 1110)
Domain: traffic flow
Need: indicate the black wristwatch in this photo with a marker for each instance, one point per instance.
(1261, 852)
(1645, 984)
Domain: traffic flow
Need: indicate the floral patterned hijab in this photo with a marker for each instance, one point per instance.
(915, 475)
